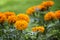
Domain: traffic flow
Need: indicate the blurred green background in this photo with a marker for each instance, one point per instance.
(20, 6)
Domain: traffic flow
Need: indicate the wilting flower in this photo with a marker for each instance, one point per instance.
(57, 13)
(48, 3)
(38, 29)
(49, 16)
(21, 25)
(23, 17)
(12, 19)
(31, 10)
(2, 18)
(9, 14)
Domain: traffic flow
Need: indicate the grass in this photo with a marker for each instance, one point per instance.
(19, 6)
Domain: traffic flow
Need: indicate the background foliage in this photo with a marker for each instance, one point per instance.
(19, 6)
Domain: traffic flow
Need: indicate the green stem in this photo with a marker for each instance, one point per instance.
(37, 36)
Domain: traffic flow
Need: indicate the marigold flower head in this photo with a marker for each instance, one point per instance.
(49, 16)
(35, 29)
(41, 7)
(21, 25)
(48, 3)
(39, 29)
(9, 14)
(23, 17)
(2, 18)
(12, 19)
(31, 10)
(57, 13)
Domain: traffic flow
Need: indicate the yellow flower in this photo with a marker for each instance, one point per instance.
(23, 17)
(38, 29)
(34, 29)
(48, 3)
(9, 14)
(12, 19)
(41, 29)
(57, 13)
(21, 25)
(2, 18)
(49, 16)
(31, 10)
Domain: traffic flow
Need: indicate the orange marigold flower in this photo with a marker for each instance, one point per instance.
(48, 3)
(23, 17)
(2, 18)
(9, 14)
(38, 29)
(21, 25)
(31, 10)
(49, 16)
(41, 7)
(57, 13)
(41, 28)
(12, 19)
(34, 29)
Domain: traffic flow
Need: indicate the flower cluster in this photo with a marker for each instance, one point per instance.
(42, 7)
(20, 21)
(52, 15)
(43, 23)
